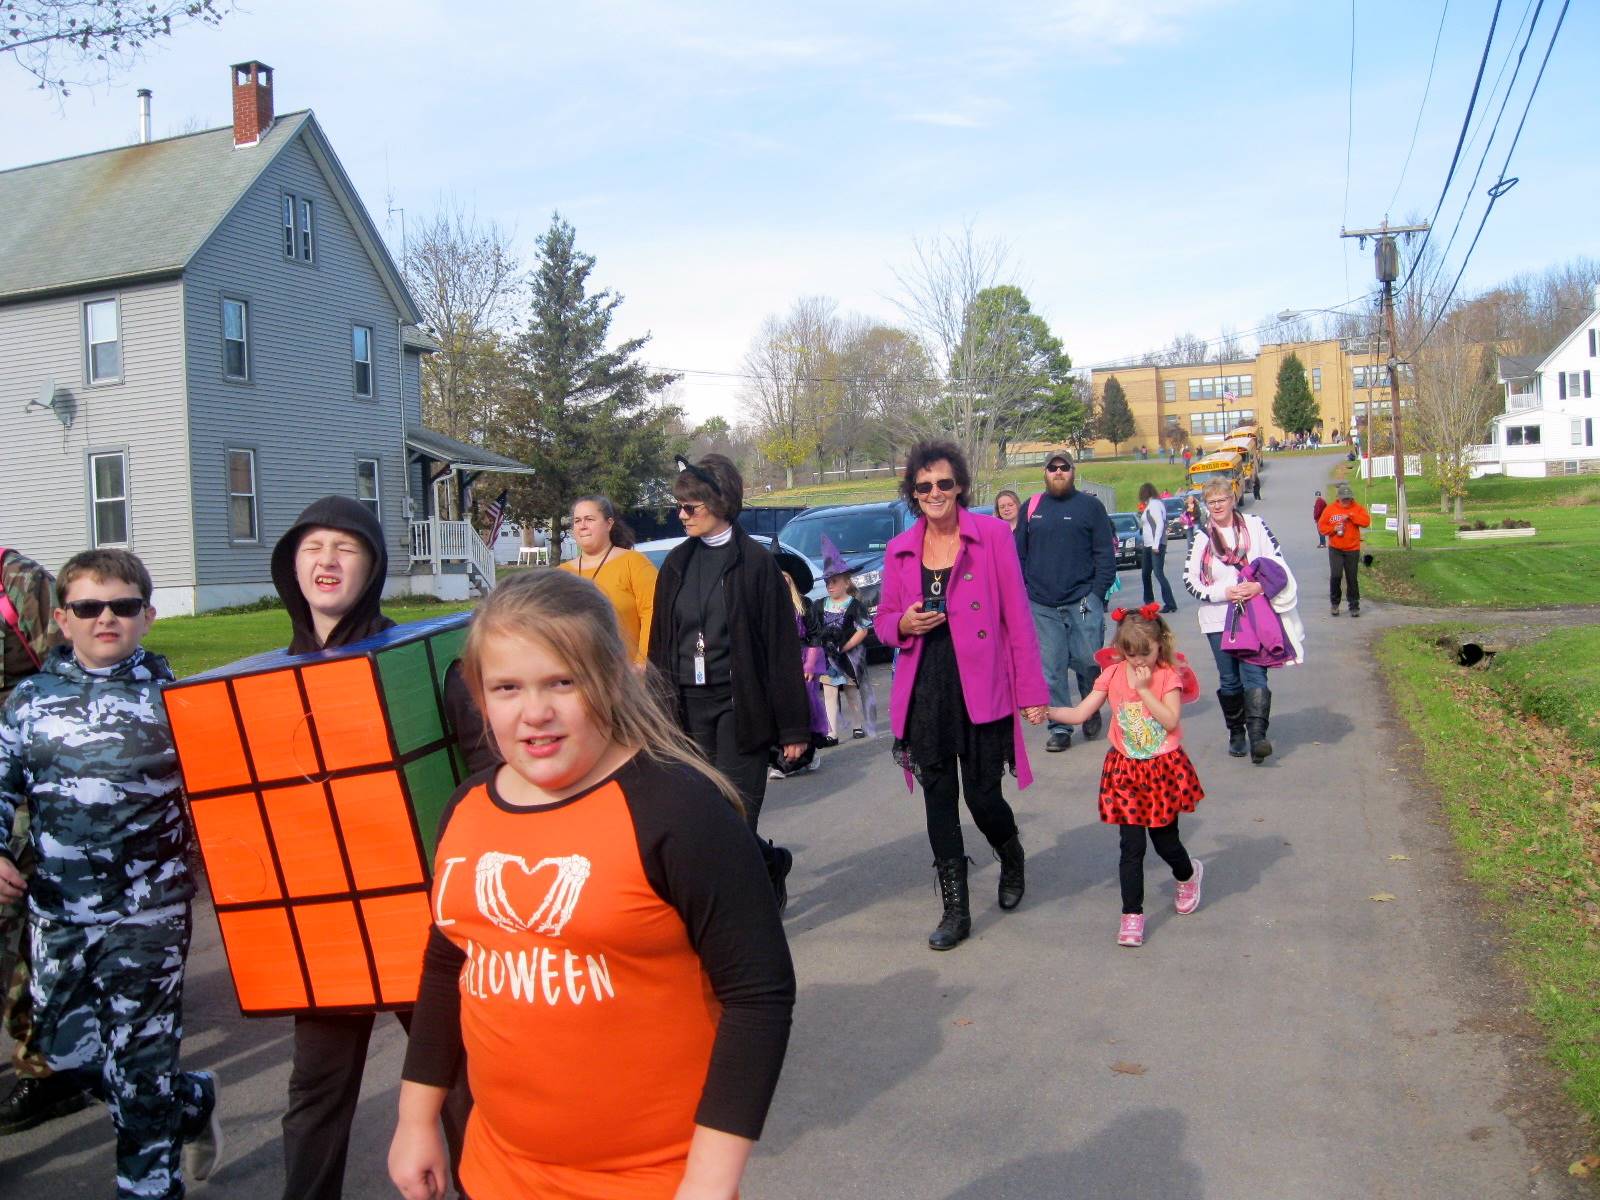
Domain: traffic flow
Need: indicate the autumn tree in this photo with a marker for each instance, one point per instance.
(794, 387)
(1116, 417)
(1294, 408)
(80, 43)
(890, 391)
(587, 417)
(465, 279)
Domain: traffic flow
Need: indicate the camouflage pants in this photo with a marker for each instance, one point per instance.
(108, 1006)
(15, 1001)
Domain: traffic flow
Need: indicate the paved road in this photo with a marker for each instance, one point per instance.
(1291, 1039)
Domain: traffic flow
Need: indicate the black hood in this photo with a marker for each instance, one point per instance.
(362, 621)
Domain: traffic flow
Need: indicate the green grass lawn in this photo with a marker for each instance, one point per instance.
(1125, 475)
(194, 644)
(1520, 797)
(1559, 565)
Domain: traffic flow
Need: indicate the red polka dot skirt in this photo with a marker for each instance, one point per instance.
(1148, 791)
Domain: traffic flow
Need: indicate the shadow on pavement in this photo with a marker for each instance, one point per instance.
(1140, 1155)
(1302, 726)
(830, 1080)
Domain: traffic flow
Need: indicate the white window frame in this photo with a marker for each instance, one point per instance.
(356, 363)
(1316, 379)
(255, 511)
(89, 343)
(374, 501)
(96, 499)
(1577, 431)
(244, 342)
(1522, 435)
(1574, 385)
(291, 241)
(307, 242)
(1169, 391)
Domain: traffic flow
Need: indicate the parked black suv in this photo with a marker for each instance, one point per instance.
(860, 531)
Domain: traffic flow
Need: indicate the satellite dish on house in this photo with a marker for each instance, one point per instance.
(49, 398)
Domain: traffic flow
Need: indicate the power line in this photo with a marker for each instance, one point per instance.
(1421, 108)
(1349, 138)
(1455, 158)
(1502, 185)
(1488, 145)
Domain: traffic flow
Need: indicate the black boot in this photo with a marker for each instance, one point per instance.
(779, 863)
(34, 1101)
(956, 924)
(1233, 714)
(1012, 883)
(1257, 716)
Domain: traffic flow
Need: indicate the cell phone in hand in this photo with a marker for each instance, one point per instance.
(933, 604)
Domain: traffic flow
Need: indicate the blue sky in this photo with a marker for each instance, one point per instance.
(1154, 165)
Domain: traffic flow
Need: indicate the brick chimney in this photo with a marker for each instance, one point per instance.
(252, 103)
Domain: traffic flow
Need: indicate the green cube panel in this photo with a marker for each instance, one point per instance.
(408, 692)
(447, 647)
(431, 780)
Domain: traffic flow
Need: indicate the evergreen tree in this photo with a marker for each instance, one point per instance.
(1116, 417)
(586, 418)
(1294, 408)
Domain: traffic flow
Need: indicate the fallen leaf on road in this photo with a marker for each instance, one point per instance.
(1478, 1133)
(1578, 1171)
(962, 1021)
(1128, 1068)
(1382, 897)
(1399, 858)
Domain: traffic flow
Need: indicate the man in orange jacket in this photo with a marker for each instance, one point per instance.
(1341, 523)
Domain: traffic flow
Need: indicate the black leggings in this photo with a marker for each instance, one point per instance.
(1342, 567)
(988, 807)
(708, 720)
(1131, 869)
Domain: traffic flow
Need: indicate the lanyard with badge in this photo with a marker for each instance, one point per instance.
(700, 635)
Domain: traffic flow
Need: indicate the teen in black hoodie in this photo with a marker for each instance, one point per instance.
(329, 569)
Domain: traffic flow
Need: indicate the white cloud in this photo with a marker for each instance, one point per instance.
(947, 120)
(1120, 24)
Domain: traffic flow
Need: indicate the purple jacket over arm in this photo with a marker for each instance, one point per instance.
(997, 651)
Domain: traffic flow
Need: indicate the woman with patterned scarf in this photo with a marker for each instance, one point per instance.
(1216, 574)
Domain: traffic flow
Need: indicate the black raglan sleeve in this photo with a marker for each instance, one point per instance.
(701, 858)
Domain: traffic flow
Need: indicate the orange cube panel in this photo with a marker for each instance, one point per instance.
(238, 859)
(276, 725)
(376, 821)
(302, 827)
(335, 956)
(398, 929)
(350, 724)
(207, 737)
(261, 957)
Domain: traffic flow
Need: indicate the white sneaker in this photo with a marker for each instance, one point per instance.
(203, 1152)
(774, 773)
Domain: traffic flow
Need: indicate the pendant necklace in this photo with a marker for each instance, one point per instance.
(936, 588)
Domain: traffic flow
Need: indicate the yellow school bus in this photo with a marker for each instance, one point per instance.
(1222, 463)
(1249, 459)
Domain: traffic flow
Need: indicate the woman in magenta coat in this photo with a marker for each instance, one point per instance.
(954, 605)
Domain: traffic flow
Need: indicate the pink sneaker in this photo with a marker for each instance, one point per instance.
(1132, 931)
(1189, 890)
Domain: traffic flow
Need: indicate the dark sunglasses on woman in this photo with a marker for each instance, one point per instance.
(89, 610)
(927, 485)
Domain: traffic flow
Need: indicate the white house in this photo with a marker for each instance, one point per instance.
(1548, 427)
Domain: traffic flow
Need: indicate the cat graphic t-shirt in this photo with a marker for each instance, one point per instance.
(615, 969)
(1134, 731)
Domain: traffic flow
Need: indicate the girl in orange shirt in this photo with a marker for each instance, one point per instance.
(606, 950)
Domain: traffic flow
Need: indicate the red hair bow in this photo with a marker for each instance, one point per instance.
(1148, 611)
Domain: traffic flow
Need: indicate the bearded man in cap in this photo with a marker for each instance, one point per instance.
(1069, 560)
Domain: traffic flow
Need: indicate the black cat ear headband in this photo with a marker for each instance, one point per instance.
(703, 476)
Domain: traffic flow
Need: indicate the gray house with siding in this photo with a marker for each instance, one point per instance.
(200, 335)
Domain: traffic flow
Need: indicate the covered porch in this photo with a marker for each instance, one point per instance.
(441, 472)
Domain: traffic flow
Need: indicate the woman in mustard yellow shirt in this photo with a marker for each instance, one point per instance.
(606, 556)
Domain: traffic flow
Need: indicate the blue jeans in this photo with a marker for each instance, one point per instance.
(1234, 674)
(1155, 561)
(1068, 639)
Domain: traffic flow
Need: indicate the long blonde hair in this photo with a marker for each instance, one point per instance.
(572, 618)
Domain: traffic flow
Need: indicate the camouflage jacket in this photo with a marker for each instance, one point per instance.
(92, 754)
(32, 594)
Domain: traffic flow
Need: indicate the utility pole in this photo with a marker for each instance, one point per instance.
(1386, 259)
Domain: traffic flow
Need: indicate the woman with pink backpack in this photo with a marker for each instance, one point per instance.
(1247, 612)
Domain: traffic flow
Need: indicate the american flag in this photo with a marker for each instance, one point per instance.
(496, 514)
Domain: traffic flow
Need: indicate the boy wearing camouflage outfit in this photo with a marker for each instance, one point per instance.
(85, 742)
(27, 632)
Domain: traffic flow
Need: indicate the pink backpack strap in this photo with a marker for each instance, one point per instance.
(1033, 504)
(13, 619)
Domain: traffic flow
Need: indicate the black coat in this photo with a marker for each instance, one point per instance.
(770, 704)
